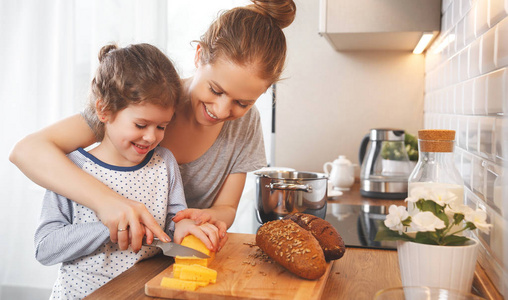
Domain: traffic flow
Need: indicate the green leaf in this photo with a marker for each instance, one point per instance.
(443, 217)
(429, 238)
(429, 205)
(454, 240)
(386, 234)
(457, 218)
(470, 225)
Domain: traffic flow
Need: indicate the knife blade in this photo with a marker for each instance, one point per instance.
(174, 249)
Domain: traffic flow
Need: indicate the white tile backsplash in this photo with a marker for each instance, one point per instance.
(496, 11)
(468, 96)
(487, 51)
(480, 84)
(502, 43)
(469, 29)
(465, 6)
(466, 90)
(481, 17)
(501, 138)
(496, 92)
(474, 58)
(463, 63)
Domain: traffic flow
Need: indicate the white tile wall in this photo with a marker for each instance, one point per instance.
(466, 89)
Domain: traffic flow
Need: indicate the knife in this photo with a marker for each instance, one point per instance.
(174, 249)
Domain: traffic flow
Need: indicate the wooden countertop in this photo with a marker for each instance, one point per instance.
(358, 275)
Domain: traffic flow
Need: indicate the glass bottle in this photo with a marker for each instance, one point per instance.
(435, 170)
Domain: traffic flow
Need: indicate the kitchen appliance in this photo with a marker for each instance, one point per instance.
(174, 249)
(341, 174)
(385, 166)
(279, 193)
(359, 224)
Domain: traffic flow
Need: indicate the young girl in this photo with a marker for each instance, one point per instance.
(215, 134)
(133, 97)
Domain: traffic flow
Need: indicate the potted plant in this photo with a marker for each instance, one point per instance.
(432, 246)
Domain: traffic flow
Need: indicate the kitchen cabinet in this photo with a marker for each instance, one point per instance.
(378, 24)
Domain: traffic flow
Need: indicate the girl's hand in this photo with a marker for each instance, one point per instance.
(207, 233)
(201, 216)
(128, 221)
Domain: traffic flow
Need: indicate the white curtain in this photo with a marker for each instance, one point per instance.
(48, 53)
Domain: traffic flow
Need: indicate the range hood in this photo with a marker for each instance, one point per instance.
(378, 24)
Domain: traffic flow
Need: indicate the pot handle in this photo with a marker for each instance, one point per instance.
(289, 186)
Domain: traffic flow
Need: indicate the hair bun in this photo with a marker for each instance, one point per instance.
(281, 11)
(106, 49)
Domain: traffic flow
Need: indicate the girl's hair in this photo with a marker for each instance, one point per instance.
(138, 73)
(251, 35)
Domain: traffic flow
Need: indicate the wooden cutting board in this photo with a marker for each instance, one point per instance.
(244, 274)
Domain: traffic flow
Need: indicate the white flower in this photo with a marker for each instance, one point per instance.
(441, 196)
(478, 218)
(396, 214)
(418, 193)
(426, 221)
(457, 208)
(412, 199)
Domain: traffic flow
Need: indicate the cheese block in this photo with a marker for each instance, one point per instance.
(175, 283)
(194, 273)
(193, 242)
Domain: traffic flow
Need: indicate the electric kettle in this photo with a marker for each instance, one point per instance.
(385, 166)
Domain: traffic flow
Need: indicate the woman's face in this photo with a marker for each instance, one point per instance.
(224, 91)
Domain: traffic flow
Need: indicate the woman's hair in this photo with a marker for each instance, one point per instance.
(251, 35)
(138, 73)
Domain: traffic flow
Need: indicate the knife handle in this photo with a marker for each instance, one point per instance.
(155, 242)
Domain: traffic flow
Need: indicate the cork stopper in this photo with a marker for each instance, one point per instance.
(436, 140)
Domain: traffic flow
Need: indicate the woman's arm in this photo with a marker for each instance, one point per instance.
(41, 156)
(223, 210)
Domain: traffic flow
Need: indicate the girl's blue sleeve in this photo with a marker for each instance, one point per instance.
(58, 240)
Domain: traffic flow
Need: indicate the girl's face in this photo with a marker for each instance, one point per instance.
(223, 91)
(132, 132)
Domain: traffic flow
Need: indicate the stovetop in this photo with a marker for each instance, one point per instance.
(358, 224)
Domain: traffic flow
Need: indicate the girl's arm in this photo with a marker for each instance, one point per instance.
(58, 240)
(41, 156)
(207, 233)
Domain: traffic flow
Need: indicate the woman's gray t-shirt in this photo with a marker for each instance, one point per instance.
(239, 148)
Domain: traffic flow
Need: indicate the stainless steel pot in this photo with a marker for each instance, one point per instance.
(279, 193)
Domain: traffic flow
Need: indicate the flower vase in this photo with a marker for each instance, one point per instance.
(449, 267)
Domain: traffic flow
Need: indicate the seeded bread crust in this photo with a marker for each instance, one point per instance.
(330, 240)
(292, 247)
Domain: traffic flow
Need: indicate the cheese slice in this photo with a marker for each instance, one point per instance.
(194, 273)
(179, 284)
(193, 242)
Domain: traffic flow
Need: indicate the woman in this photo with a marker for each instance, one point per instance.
(215, 134)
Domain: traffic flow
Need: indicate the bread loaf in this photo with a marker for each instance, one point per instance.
(329, 239)
(292, 247)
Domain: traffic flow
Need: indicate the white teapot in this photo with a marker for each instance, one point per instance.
(342, 175)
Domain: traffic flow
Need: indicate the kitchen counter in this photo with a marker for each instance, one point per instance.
(358, 275)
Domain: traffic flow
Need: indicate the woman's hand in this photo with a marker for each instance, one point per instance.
(128, 222)
(206, 232)
(200, 216)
